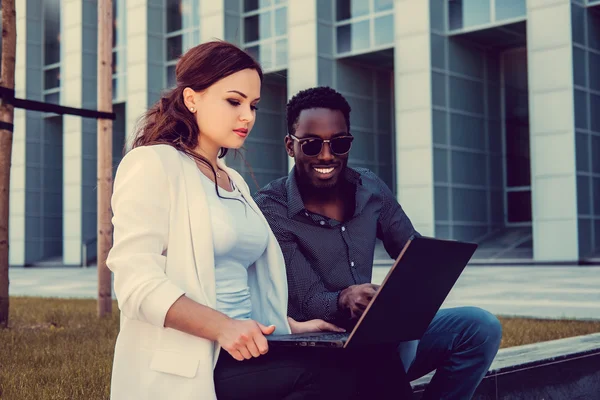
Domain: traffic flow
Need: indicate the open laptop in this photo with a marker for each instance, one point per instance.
(405, 304)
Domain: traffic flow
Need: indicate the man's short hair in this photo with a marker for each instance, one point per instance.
(317, 97)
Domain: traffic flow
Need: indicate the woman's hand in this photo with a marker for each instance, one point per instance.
(314, 325)
(244, 339)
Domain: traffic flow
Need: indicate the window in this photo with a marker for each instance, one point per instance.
(119, 63)
(464, 14)
(183, 32)
(363, 25)
(265, 32)
(51, 68)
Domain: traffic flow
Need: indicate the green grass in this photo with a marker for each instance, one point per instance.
(56, 349)
(59, 349)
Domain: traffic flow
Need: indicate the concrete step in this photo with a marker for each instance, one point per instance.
(559, 369)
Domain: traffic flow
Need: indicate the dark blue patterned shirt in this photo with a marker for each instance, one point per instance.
(324, 256)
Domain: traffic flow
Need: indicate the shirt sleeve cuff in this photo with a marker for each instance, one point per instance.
(332, 308)
(158, 302)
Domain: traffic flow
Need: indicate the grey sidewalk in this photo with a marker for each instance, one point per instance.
(534, 291)
(530, 291)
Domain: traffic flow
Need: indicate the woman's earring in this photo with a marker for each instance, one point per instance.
(192, 109)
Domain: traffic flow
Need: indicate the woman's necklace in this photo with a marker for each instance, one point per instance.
(206, 166)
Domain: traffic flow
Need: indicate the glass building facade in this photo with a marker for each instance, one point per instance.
(265, 32)
(483, 116)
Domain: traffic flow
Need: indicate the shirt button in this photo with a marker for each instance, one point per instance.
(343, 228)
(322, 222)
(352, 263)
(306, 214)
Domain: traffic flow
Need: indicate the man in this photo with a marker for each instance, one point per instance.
(327, 217)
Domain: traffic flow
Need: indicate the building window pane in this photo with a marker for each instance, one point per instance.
(383, 5)
(281, 53)
(114, 62)
(281, 21)
(51, 31)
(347, 9)
(265, 27)
(343, 39)
(251, 29)
(579, 77)
(190, 14)
(171, 78)
(476, 12)
(189, 40)
(52, 78)
(119, 27)
(251, 5)
(174, 47)
(115, 23)
(384, 30)
(507, 9)
(53, 98)
(594, 68)
(343, 10)
(454, 14)
(353, 37)
(466, 13)
(595, 105)
(174, 8)
(253, 51)
(264, 24)
(119, 87)
(266, 55)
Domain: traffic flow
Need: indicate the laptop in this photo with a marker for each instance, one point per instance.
(405, 304)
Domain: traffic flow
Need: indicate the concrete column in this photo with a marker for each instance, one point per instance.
(311, 60)
(413, 113)
(302, 46)
(79, 87)
(28, 84)
(212, 20)
(145, 59)
(552, 129)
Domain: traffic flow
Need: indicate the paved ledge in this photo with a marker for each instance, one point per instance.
(559, 369)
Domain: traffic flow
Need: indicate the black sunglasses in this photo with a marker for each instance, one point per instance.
(313, 146)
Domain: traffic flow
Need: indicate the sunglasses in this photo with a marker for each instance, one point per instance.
(312, 147)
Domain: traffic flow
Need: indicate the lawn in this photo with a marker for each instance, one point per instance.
(59, 349)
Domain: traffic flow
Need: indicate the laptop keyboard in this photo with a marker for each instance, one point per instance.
(321, 337)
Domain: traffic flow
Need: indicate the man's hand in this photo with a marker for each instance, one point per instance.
(314, 325)
(244, 339)
(356, 298)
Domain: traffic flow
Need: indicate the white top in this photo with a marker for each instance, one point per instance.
(239, 239)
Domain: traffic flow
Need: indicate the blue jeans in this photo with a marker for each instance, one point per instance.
(460, 344)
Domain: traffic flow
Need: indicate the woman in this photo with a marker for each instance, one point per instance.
(196, 267)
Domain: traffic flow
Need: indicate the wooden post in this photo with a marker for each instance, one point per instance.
(105, 172)
(7, 79)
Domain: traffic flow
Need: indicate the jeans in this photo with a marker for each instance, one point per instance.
(460, 344)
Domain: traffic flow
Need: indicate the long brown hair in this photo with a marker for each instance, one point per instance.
(169, 121)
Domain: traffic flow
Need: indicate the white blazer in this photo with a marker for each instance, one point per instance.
(163, 248)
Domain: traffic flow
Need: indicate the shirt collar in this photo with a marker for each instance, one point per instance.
(296, 204)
